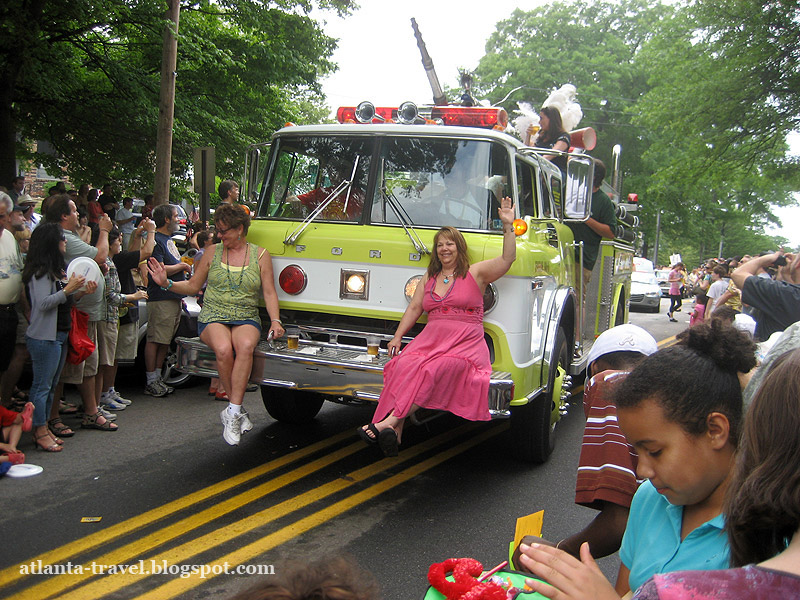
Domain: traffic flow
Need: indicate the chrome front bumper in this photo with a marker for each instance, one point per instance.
(332, 369)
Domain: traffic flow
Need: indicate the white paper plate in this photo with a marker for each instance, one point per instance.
(24, 470)
(83, 266)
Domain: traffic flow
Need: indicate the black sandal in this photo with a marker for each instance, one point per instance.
(387, 442)
(362, 432)
(57, 426)
(65, 408)
(17, 404)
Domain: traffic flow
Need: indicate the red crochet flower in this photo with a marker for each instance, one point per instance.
(466, 585)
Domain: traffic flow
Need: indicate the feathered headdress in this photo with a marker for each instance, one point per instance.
(563, 99)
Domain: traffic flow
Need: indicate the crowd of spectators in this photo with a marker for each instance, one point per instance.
(682, 481)
(38, 305)
(760, 292)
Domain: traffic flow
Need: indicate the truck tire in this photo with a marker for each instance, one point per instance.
(619, 318)
(291, 406)
(532, 434)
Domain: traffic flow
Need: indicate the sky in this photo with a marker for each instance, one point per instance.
(378, 56)
(379, 60)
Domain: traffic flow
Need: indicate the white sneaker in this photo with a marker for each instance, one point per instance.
(109, 403)
(119, 399)
(109, 416)
(231, 427)
(245, 424)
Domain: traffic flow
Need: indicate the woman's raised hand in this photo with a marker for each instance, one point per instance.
(157, 271)
(91, 287)
(74, 284)
(506, 211)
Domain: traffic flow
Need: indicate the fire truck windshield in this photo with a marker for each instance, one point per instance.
(420, 182)
(440, 182)
(323, 174)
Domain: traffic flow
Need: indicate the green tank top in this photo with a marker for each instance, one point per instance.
(232, 293)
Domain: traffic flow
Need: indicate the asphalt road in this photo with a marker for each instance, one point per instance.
(167, 488)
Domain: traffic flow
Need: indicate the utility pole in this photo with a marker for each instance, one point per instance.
(166, 104)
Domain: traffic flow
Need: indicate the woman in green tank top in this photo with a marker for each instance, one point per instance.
(238, 275)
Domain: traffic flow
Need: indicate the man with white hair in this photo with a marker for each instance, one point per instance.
(15, 224)
(27, 204)
(10, 282)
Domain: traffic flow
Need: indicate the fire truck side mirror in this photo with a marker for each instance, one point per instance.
(578, 199)
(252, 169)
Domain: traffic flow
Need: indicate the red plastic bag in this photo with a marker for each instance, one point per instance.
(81, 345)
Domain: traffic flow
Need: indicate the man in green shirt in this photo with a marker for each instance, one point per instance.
(599, 225)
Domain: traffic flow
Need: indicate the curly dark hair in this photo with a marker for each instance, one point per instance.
(332, 578)
(232, 215)
(44, 257)
(762, 507)
(707, 358)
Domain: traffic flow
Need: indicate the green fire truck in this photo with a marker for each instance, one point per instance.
(348, 212)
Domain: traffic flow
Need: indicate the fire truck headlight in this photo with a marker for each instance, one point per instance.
(411, 287)
(520, 227)
(354, 284)
(292, 280)
(489, 298)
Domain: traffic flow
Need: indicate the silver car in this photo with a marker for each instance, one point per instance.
(645, 292)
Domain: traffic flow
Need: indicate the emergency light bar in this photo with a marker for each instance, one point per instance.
(407, 113)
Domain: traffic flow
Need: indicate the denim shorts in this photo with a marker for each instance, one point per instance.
(256, 324)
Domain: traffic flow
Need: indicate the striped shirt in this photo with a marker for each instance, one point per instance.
(607, 465)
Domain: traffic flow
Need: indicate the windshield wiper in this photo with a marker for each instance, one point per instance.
(404, 218)
(344, 185)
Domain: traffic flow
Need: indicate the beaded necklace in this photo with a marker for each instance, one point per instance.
(446, 294)
(241, 271)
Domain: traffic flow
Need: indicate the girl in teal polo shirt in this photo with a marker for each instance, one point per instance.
(681, 409)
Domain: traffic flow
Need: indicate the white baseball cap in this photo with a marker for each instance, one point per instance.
(622, 338)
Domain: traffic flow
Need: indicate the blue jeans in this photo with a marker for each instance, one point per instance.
(48, 357)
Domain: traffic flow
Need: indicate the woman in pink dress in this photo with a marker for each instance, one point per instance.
(446, 367)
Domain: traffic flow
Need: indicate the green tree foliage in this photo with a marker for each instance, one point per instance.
(592, 45)
(717, 113)
(700, 96)
(85, 77)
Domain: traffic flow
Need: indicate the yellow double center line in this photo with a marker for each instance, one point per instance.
(136, 550)
(90, 542)
(667, 342)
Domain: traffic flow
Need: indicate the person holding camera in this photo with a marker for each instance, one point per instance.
(775, 302)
